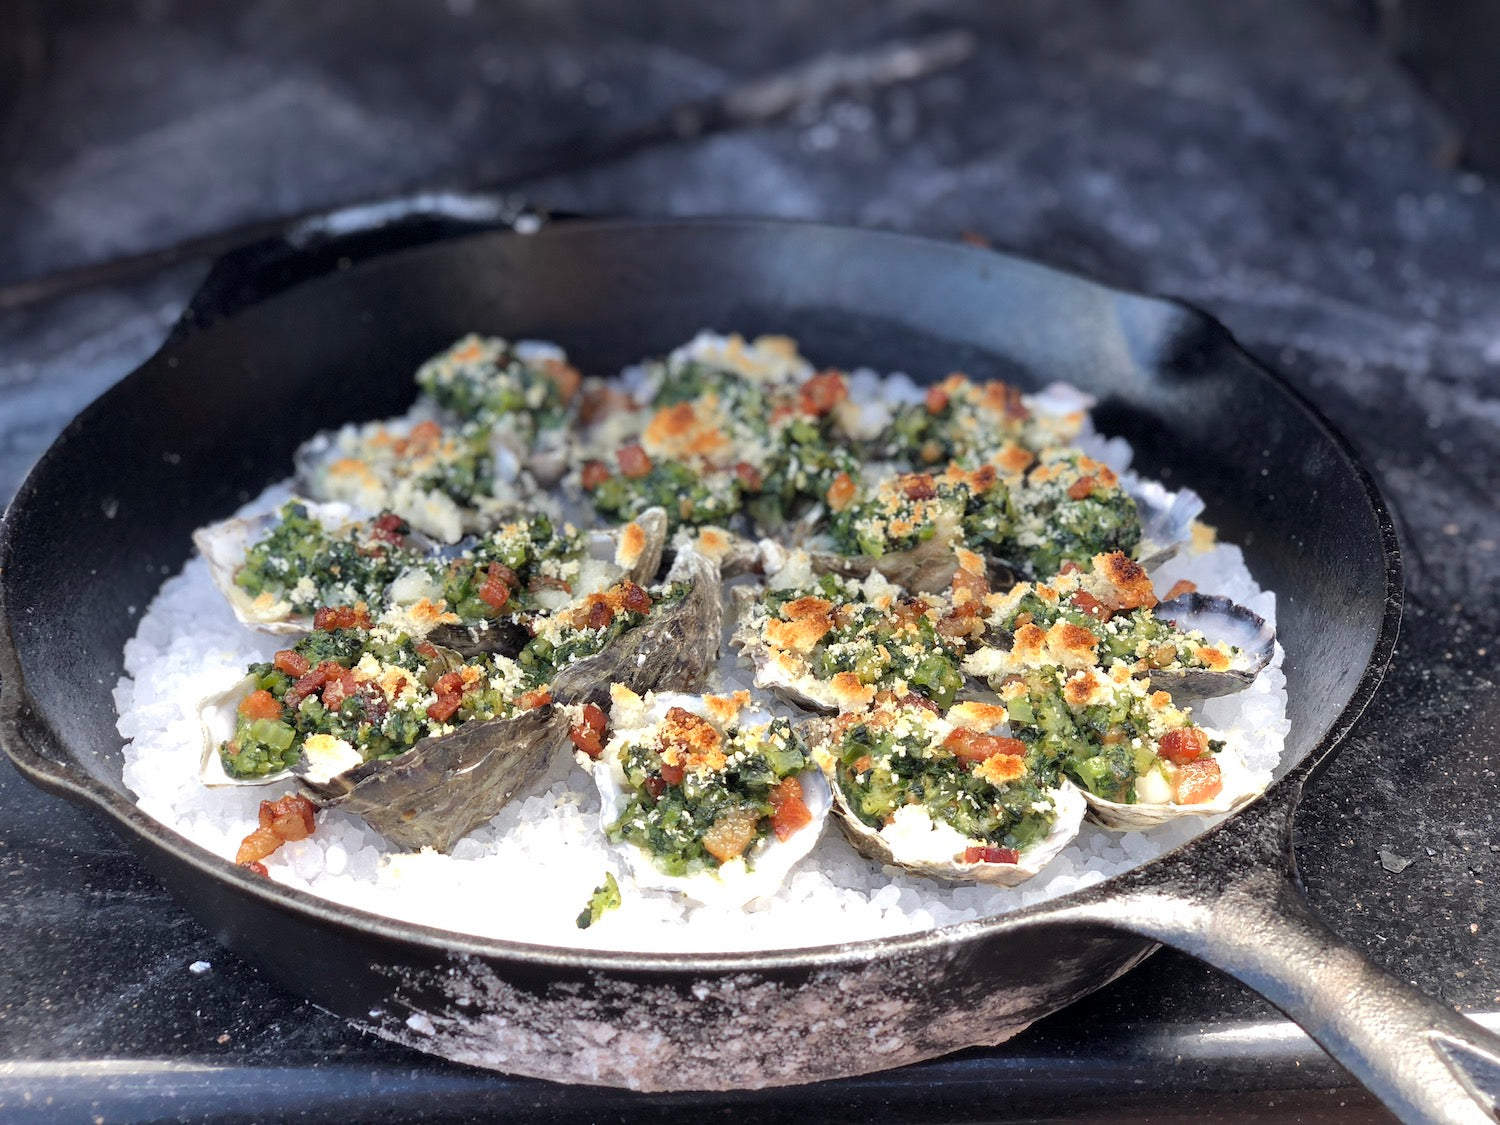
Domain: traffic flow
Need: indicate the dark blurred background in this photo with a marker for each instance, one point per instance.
(1315, 173)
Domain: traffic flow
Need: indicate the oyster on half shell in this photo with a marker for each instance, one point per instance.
(1218, 619)
(732, 760)
(971, 773)
(1154, 804)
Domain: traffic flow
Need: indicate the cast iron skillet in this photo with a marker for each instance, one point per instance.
(328, 324)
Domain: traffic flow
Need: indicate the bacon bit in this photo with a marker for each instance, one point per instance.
(1081, 489)
(496, 591)
(937, 400)
(450, 694)
(841, 492)
(1180, 587)
(342, 617)
(971, 746)
(282, 821)
(531, 700)
(390, 528)
(1087, 603)
(594, 474)
(565, 375)
(731, 834)
(863, 764)
(822, 393)
(991, 855)
(917, 486)
(588, 733)
(633, 598)
(655, 786)
(257, 868)
(256, 846)
(427, 649)
(337, 687)
(292, 662)
(260, 705)
(671, 774)
(789, 811)
(634, 462)
(1069, 567)
(1196, 782)
(1182, 746)
(749, 476)
(597, 614)
(314, 681)
(290, 817)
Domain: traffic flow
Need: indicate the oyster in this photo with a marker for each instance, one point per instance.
(444, 481)
(671, 650)
(1154, 802)
(1252, 638)
(225, 546)
(1138, 758)
(829, 644)
(705, 796)
(1109, 615)
(988, 810)
(631, 552)
(420, 774)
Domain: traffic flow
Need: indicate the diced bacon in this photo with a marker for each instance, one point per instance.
(450, 695)
(655, 786)
(531, 700)
(1180, 587)
(1198, 781)
(338, 686)
(789, 811)
(427, 649)
(937, 400)
(258, 868)
(748, 476)
(390, 528)
(313, 681)
(634, 462)
(260, 705)
(256, 846)
(671, 774)
(588, 733)
(822, 393)
(496, 591)
(918, 486)
(342, 617)
(971, 746)
(1087, 603)
(292, 662)
(290, 817)
(634, 598)
(991, 855)
(1183, 745)
(594, 474)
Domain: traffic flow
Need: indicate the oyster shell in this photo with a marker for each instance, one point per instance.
(1218, 619)
(672, 650)
(1166, 518)
(914, 841)
(632, 551)
(446, 786)
(766, 865)
(224, 545)
(432, 795)
(1240, 785)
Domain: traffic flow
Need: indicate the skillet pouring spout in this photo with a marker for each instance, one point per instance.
(1423, 1059)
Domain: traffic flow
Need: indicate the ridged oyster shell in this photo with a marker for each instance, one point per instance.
(1240, 786)
(1218, 619)
(740, 880)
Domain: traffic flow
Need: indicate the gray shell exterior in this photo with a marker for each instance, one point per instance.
(1166, 518)
(444, 787)
(672, 650)
(1218, 619)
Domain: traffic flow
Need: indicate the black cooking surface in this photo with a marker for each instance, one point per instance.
(1268, 164)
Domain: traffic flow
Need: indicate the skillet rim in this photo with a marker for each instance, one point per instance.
(21, 725)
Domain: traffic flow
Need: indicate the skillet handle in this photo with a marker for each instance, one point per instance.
(1420, 1057)
(334, 240)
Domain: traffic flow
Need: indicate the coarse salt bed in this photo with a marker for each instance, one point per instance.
(526, 874)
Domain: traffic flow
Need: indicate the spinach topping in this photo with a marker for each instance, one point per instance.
(606, 896)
